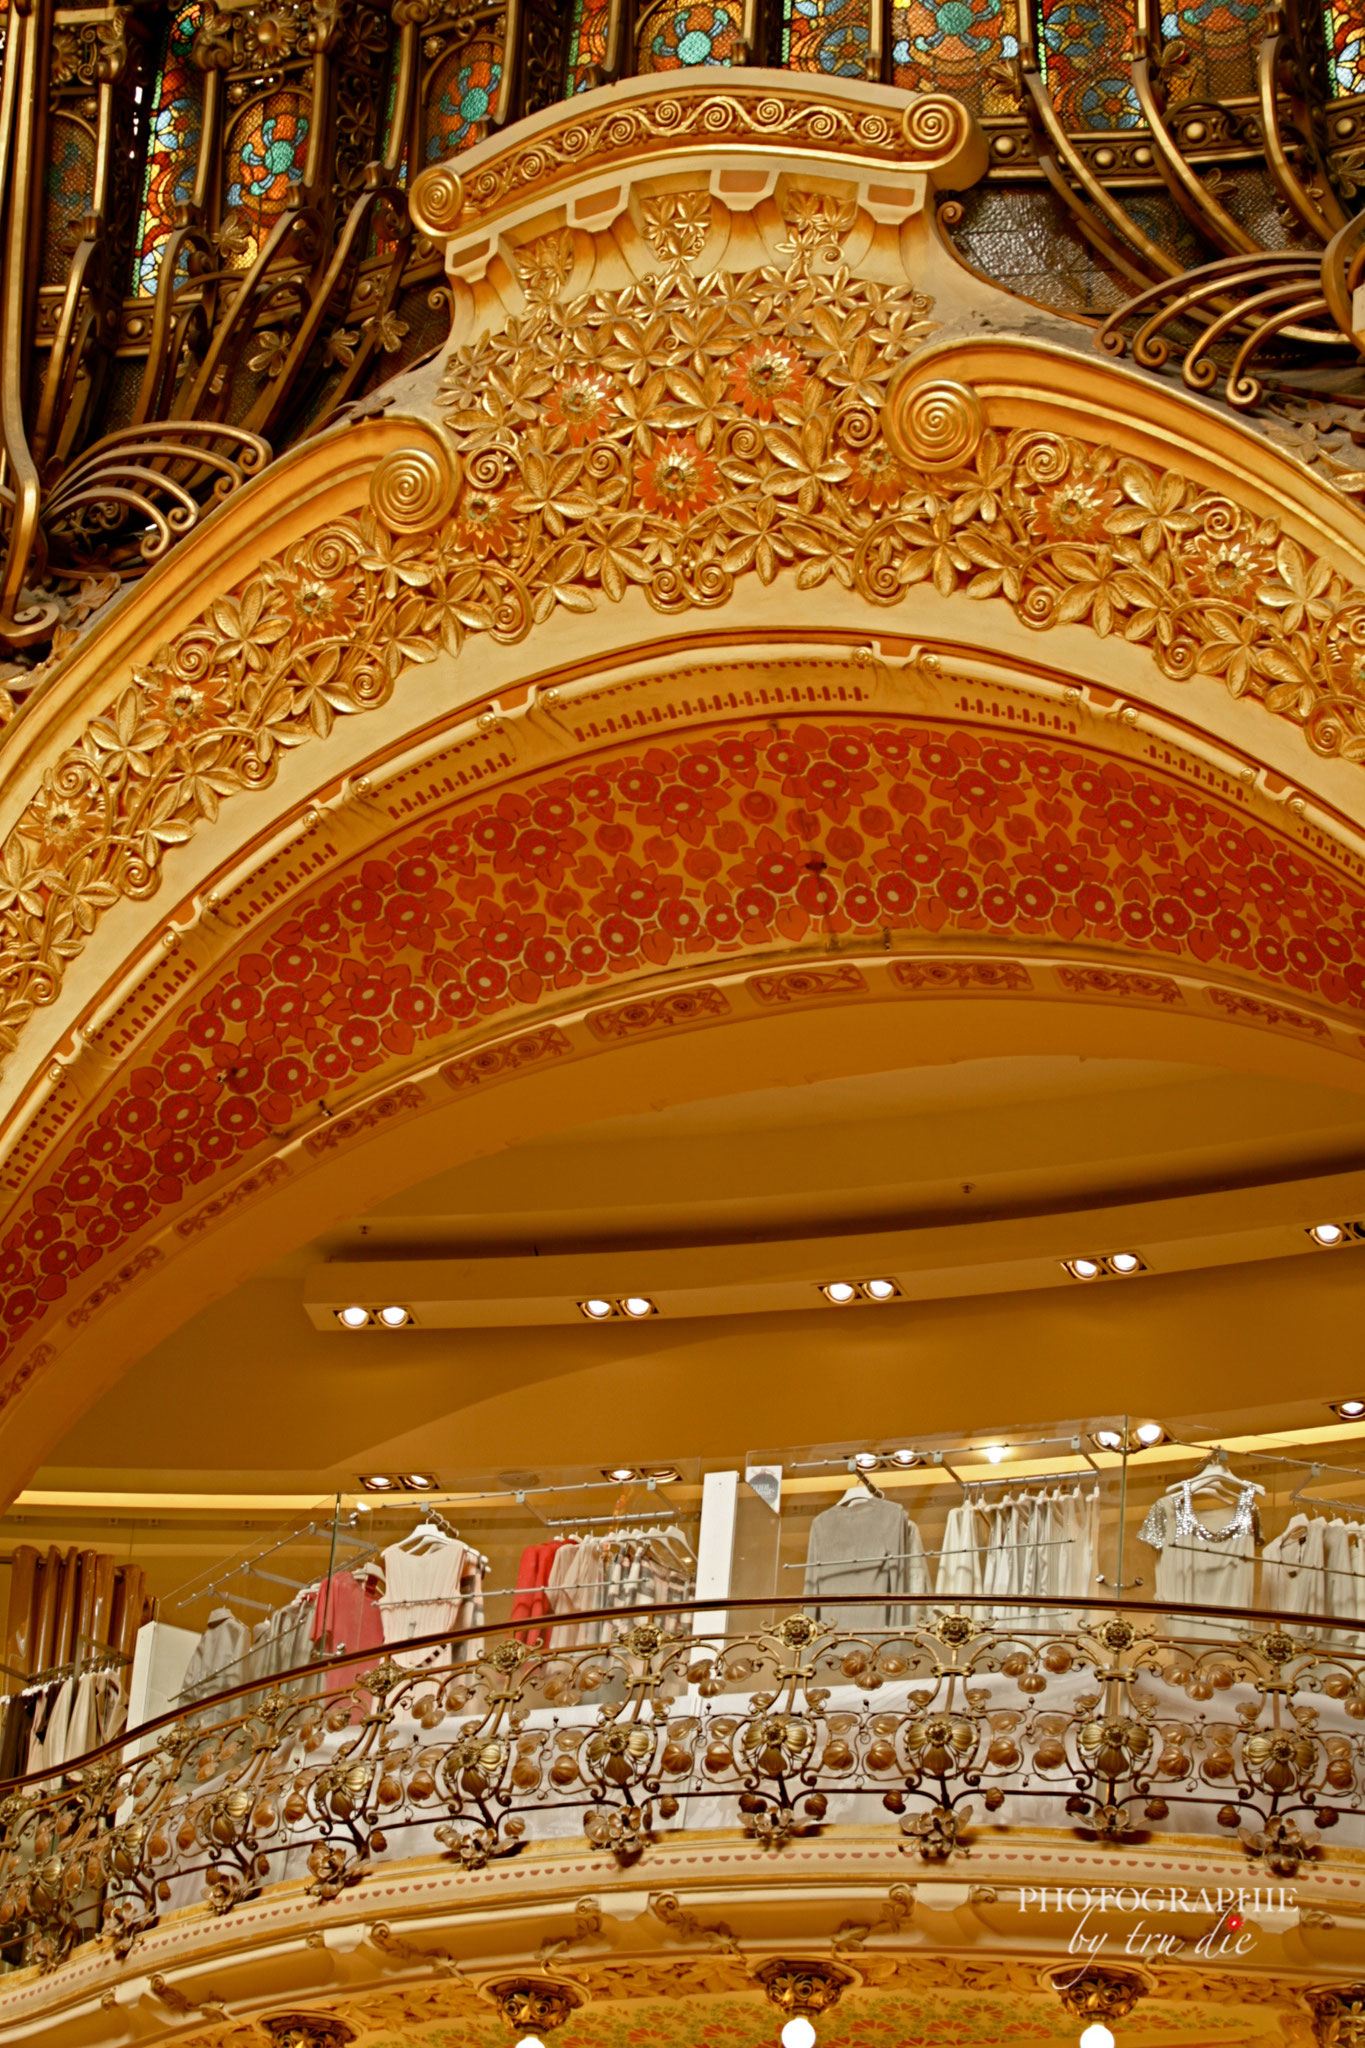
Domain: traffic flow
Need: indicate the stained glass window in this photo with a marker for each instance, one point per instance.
(267, 149)
(1087, 47)
(173, 131)
(832, 36)
(460, 96)
(1345, 26)
(951, 45)
(68, 186)
(672, 37)
(587, 42)
(1223, 39)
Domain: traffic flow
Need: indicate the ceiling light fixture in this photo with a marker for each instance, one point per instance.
(1082, 1269)
(1327, 1234)
(905, 1458)
(1124, 1263)
(1149, 1434)
(637, 1305)
(867, 1461)
(377, 1482)
(1349, 1411)
(596, 1309)
(839, 1292)
(880, 1290)
(420, 1482)
(620, 1474)
(353, 1318)
(393, 1317)
(1097, 2036)
(798, 2033)
(994, 1453)
(1108, 1440)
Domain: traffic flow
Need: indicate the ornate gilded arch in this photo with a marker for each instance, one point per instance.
(727, 636)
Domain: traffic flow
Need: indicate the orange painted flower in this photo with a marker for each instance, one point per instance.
(315, 608)
(877, 478)
(1075, 510)
(185, 707)
(1233, 569)
(764, 373)
(581, 404)
(485, 523)
(677, 479)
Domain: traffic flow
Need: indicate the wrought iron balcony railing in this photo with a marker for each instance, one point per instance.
(1114, 1722)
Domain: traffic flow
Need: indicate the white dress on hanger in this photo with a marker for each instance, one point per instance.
(1203, 1563)
(421, 1595)
(959, 1562)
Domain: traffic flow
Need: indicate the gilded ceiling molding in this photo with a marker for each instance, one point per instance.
(756, 113)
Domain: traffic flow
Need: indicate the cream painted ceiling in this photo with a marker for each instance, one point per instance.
(247, 1395)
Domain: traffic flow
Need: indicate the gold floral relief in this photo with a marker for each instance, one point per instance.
(670, 437)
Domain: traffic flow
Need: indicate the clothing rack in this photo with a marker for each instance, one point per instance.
(591, 1521)
(204, 1588)
(971, 1486)
(1301, 1499)
(99, 1657)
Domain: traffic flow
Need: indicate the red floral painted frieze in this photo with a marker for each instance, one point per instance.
(674, 856)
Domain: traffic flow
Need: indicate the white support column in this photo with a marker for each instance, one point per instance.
(715, 1546)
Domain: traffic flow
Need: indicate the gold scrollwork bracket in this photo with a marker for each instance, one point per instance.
(930, 422)
(437, 201)
(414, 488)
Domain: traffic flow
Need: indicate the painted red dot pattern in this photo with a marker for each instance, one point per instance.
(663, 858)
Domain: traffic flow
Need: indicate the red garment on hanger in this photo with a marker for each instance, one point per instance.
(346, 1616)
(531, 1600)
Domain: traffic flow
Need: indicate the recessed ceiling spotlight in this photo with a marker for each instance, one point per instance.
(1349, 1411)
(354, 1317)
(880, 1290)
(420, 1482)
(1149, 1434)
(1326, 1234)
(596, 1309)
(839, 1292)
(662, 1475)
(905, 1458)
(1083, 1269)
(1108, 1439)
(994, 1453)
(1124, 1262)
(619, 1474)
(377, 1482)
(393, 1317)
(638, 1305)
(867, 1461)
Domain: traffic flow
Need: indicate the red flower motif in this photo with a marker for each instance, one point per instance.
(765, 373)
(1075, 509)
(677, 480)
(485, 523)
(581, 404)
(877, 478)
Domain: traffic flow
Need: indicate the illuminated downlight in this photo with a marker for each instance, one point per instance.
(1125, 1262)
(638, 1305)
(595, 1308)
(1097, 2037)
(1149, 1434)
(994, 1453)
(393, 1317)
(880, 1290)
(798, 2033)
(353, 1318)
(1326, 1234)
(1108, 1440)
(839, 1292)
(1083, 1269)
(1349, 1411)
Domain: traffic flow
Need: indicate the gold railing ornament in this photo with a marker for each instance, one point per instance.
(1338, 2015)
(802, 1991)
(533, 2006)
(306, 2030)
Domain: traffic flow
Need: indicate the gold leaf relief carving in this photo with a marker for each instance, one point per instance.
(671, 437)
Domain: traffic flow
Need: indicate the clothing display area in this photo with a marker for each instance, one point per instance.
(575, 1574)
(72, 1621)
(1030, 1543)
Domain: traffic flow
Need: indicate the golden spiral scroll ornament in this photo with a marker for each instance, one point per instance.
(437, 201)
(414, 488)
(935, 125)
(933, 425)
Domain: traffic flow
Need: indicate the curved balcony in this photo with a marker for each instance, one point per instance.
(1118, 1726)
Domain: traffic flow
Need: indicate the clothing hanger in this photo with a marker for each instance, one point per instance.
(861, 1489)
(1217, 1477)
